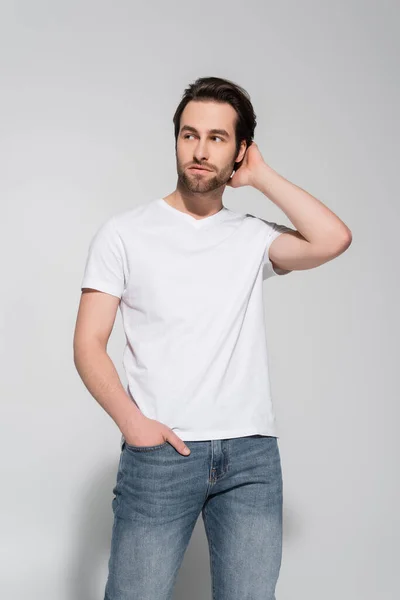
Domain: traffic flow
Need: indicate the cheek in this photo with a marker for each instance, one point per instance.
(183, 156)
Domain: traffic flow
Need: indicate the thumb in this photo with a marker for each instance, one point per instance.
(177, 443)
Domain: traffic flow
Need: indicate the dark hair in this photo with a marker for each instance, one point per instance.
(221, 90)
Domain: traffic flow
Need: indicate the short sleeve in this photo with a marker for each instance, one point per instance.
(273, 231)
(104, 269)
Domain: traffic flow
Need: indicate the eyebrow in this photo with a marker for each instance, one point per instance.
(219, 131)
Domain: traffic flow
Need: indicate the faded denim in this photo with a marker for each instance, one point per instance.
(235, 484)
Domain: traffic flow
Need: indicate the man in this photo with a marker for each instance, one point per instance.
(197, 422)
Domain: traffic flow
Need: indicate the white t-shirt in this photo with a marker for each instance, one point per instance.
(192, 309)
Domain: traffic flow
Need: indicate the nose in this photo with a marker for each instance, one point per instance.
(200, 152)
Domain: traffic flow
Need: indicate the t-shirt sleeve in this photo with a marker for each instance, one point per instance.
(273, 231)
(104, 269)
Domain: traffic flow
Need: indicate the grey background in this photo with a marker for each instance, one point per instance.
(88, 91)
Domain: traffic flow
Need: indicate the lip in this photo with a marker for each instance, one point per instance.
(198, 169)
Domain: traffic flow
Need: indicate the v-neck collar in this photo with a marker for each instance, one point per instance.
(198, 223)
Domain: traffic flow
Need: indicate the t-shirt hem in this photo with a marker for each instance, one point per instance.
(267, 261)
(202, 436)
(101, 286)
(218, 435)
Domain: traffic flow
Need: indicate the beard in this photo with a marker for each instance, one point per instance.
(203, 182)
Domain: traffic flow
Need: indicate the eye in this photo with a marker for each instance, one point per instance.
(187, 135)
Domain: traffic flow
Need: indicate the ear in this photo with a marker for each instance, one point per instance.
(242, 151)
(240, 156)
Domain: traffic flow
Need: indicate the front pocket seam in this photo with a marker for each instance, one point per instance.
(145, 448)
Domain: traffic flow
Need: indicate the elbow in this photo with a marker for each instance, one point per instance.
(348, 238)
(342, 243)
(83, 347)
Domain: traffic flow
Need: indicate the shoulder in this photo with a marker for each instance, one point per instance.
(266, 226)
(271, 228)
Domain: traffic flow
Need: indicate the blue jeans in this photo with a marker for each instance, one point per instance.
(236, 484)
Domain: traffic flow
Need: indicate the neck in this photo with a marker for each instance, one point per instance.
(202, 205)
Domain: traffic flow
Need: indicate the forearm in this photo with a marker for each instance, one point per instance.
(101, 378)
(315, 221)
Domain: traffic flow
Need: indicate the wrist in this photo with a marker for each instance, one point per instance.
(131, 420)
(262, 176)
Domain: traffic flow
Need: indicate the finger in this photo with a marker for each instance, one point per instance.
(177, 443)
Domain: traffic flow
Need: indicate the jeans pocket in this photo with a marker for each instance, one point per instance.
(144, 448)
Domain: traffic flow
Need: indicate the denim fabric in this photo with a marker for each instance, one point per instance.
(235, 484)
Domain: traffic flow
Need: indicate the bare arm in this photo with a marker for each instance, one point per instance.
(290, 251)
(95, 320)
(320, 237)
